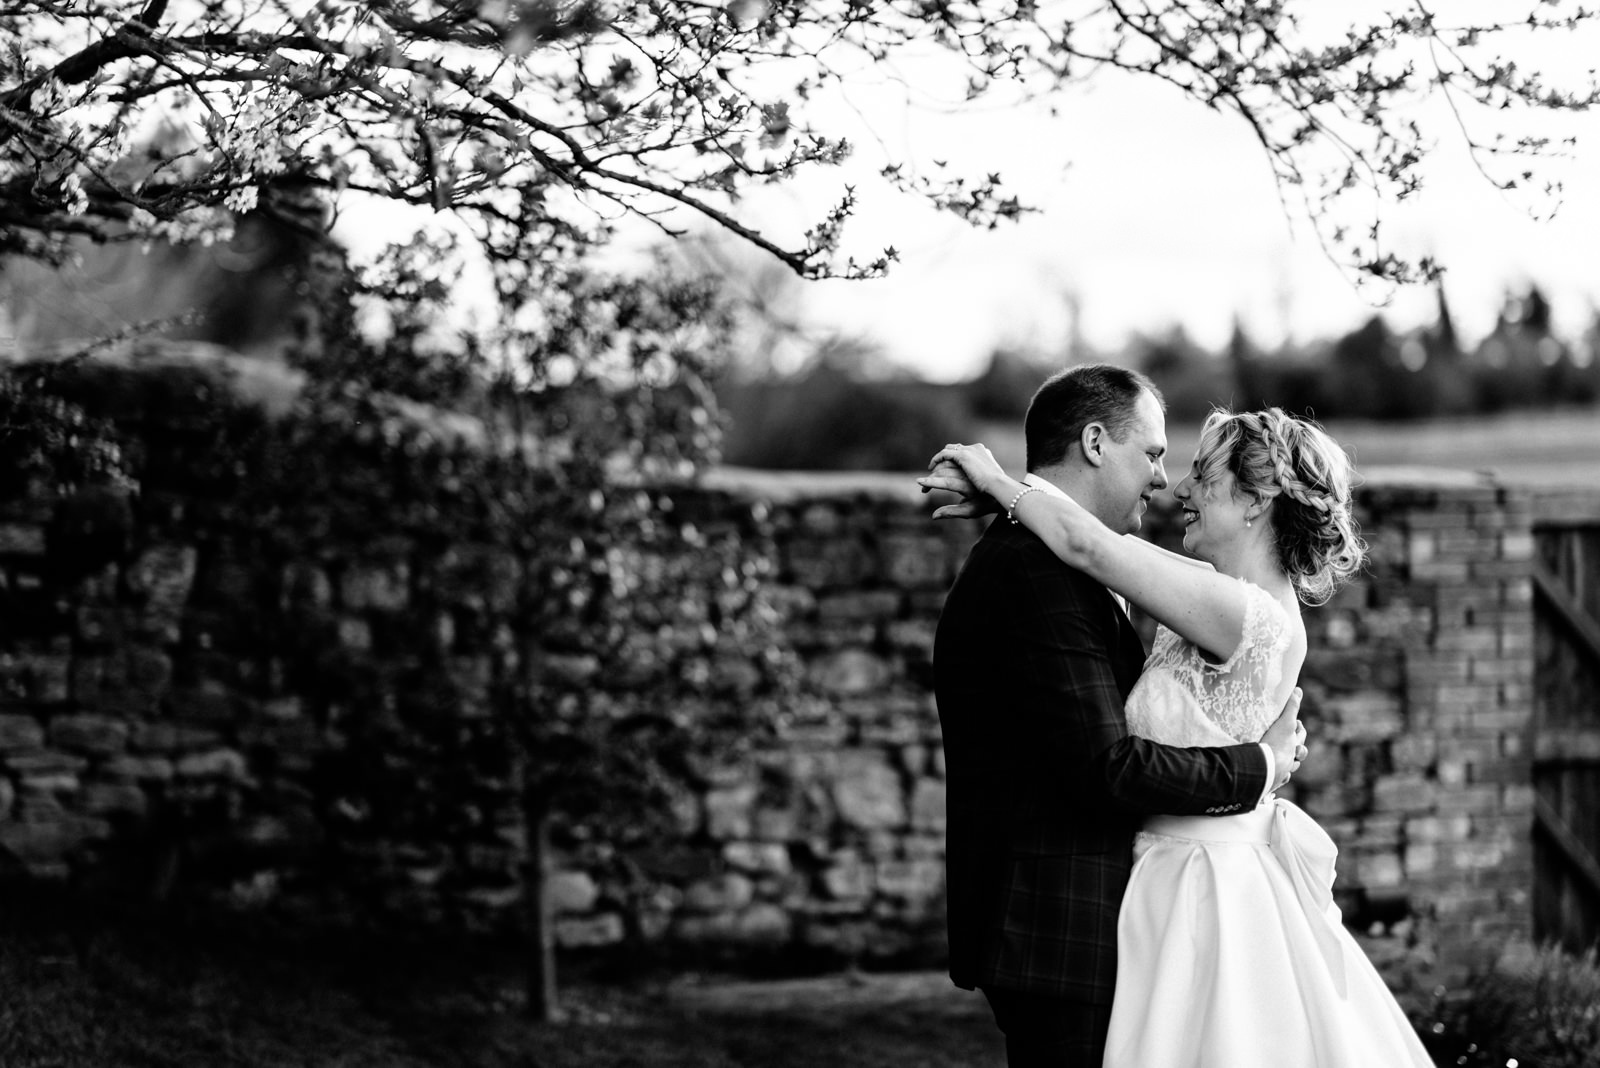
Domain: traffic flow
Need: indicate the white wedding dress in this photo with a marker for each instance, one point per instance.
(1231, 953)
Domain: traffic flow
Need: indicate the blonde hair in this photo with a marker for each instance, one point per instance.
(1295, 464)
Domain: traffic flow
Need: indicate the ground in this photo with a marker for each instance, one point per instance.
(178, 991)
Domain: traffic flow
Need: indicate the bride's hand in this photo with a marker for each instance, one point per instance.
(975, 462)
(948, 476)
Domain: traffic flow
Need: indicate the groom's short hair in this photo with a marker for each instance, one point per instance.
(1070, 400)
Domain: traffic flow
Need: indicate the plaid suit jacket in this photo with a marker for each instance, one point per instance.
(1032, 662)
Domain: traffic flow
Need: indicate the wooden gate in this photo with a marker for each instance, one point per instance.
(1566, 771)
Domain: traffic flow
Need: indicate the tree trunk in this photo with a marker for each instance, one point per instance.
(543, 1004)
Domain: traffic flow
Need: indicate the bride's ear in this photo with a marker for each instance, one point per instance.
(1258, 510)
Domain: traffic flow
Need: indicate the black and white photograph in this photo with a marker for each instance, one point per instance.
(761, 534)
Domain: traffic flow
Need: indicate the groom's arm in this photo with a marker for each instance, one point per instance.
(1063, 625)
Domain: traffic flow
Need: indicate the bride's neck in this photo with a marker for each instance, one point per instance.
(1257, 564)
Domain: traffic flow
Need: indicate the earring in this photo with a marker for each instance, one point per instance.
(1247, 523)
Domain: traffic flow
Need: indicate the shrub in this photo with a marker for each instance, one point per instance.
(1542, 1011)
(48, 440)
(833, 420)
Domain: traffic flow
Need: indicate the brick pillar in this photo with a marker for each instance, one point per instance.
(1422, 680)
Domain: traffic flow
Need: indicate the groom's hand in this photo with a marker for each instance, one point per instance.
(1287, 740)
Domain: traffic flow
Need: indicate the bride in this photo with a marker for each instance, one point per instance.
(1231, 953)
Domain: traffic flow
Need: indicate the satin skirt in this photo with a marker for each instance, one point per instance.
(1231, 954)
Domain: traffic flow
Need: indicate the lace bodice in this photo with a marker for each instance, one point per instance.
(1184, 699)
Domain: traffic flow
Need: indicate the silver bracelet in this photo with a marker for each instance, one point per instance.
(1011, 512)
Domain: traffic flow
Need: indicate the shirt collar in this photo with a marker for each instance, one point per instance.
(1031, 479)
(1046, 486)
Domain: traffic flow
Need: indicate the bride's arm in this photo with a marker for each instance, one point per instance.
(1187, 561)
(1186, 595)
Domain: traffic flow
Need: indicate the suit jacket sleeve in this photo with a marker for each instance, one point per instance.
(1067, 626)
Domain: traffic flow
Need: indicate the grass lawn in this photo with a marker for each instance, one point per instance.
(186, 992)
(1550, 450)
(172, 993)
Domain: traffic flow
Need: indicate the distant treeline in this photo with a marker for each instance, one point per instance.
(834, 416)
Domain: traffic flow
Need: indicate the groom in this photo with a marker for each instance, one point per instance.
(1046, 787)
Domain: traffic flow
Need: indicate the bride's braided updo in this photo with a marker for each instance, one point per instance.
(1277, 457)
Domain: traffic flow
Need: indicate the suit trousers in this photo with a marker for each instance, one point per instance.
(1047, 1032)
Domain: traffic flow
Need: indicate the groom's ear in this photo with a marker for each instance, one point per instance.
(1093, 440)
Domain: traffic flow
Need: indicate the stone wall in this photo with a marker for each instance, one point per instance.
(263, 673)
(831, 842)
(301, 708)
(1419, 703)
(1417, 700)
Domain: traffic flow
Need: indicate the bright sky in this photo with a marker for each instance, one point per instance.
(1158, 212)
